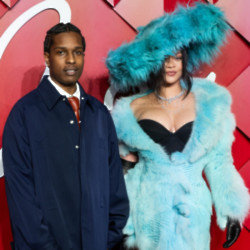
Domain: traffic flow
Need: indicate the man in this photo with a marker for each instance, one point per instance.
(63, 174)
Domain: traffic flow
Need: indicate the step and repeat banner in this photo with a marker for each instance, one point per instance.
(107, 24)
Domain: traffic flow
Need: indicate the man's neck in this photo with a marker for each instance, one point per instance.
(69, 89)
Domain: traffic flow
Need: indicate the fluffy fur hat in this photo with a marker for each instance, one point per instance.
(201, 29)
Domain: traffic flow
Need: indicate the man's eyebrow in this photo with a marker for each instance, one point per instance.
(61, 47)
(79, 47)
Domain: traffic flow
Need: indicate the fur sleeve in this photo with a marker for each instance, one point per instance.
(120, 115)
(229, 193)
(123, 149)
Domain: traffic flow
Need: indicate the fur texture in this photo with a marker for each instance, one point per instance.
(201, 29)
(170, 204)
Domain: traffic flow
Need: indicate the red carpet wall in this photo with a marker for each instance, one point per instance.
(106, 24)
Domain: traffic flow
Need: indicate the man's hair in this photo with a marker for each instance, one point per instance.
(61, 28)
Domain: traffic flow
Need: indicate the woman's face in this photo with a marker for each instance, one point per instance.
(173, 68)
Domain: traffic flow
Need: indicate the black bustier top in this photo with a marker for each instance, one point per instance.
(171, 142)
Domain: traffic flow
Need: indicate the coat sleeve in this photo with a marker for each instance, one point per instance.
(229, 193)
(119, 205)
(28, 225)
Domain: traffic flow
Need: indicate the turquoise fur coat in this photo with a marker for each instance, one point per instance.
(170, 203)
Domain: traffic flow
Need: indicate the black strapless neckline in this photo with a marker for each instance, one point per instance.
(164, 128)
(170, 141)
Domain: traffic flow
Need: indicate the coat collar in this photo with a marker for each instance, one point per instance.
(51, 96)
(212, 104)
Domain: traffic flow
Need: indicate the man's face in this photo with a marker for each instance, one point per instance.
(66, 58)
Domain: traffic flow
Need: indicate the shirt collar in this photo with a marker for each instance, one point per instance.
(51, 96)
(63, 92)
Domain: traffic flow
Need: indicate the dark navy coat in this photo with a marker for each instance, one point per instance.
(64, 186)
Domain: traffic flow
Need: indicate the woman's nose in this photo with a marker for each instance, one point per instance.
(170, 62)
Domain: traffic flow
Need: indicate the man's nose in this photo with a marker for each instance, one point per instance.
(71, 58)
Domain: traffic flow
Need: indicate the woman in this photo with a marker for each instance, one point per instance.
(177, 130)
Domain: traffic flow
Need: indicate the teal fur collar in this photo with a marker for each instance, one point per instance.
(212, 108)
(200, 29)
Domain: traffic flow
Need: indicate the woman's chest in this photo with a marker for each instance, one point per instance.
(170, 117)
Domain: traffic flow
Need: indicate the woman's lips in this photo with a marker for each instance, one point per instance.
(171, 73)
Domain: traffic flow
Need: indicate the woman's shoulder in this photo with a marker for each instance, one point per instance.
(209, 86)
(130, 101)
(141, 101)
(123, 111)
(211, 91)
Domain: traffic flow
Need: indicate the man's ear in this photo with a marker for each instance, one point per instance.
(46, 58)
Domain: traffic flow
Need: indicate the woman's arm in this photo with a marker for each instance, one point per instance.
(229, 193)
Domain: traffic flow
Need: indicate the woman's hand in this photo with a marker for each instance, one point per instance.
(130, 157)
(128, 161)
(233, 232)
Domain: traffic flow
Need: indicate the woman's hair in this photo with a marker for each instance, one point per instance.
(157, 79)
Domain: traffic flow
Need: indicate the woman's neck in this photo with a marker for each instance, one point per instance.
(171, 90)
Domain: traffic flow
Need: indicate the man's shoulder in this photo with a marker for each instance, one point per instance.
(21, 108)
(30, 98)
(27, 101)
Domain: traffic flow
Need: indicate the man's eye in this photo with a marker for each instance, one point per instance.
(60, 52)
(79, 52)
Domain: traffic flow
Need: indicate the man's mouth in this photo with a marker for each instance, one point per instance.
(70, 72)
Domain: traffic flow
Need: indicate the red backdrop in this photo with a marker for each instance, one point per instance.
(104, 27)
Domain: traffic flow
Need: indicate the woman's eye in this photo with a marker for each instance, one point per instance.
(167, 59)
(178, 57)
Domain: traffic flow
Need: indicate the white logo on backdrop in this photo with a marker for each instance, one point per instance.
(61, 6)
